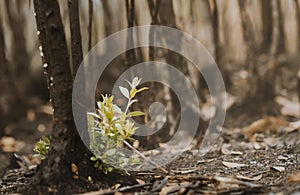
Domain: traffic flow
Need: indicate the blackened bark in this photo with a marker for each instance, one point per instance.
(77, 59)
(18, 67)
(154, 7)
(261, 87)
(19, 51)
(76, 45)
(130, 55)
(214, 14)
(281, 38)
(267, 25)
(10, 98)
(91, 12)
(167, 18)
(55, 172)
(248, 36)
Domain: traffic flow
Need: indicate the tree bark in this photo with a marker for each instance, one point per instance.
(77, 58)
(18, 67)
(267, 25)
(214, 15)
(90, 27)
(66, 148)
(248, 36)
(76, 45)
(130, 55)
(298, 20)
(3, 80)
(261, 87)
(281, 38)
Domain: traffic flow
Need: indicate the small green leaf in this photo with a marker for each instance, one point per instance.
(136, 113)
(133, 92)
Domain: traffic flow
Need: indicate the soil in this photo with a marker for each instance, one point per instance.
(265, 161)
(236, 165)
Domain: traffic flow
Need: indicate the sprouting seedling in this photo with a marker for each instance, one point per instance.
(114, 128)
(42, 147)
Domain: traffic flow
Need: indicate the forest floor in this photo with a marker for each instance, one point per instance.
(261, 157)
(257, 152)
(265, 160)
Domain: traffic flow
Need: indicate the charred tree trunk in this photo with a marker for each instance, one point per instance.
(90, 27)
(130, 55)
(261, 86)
(167, 17)
(20, 61)
(10, 97)
(77, 56)
(214, 15)
(76, 45)
(267, 25)
(281, 38)
(66, 147)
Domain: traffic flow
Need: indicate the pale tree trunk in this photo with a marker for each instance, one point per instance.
(298, 20)
(3, 82)
(298, 27)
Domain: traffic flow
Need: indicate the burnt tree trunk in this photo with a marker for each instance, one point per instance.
(214, 17)
(90, 27)
(66, 147)
(167, 17)
(77, 56)
(9, 93)
(130, 55)
(281, 38)
(261, 86)
(18, 66)
(267, 25)
(76, 45)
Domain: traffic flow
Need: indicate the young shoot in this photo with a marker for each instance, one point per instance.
(42, 147)
(110, 127)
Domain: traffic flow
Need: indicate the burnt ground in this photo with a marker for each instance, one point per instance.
(244, 161)
(257, 152)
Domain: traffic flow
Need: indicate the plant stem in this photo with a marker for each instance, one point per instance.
(127, 107)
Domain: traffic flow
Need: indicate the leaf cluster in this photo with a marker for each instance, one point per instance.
(109, 127)
(42, 147)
